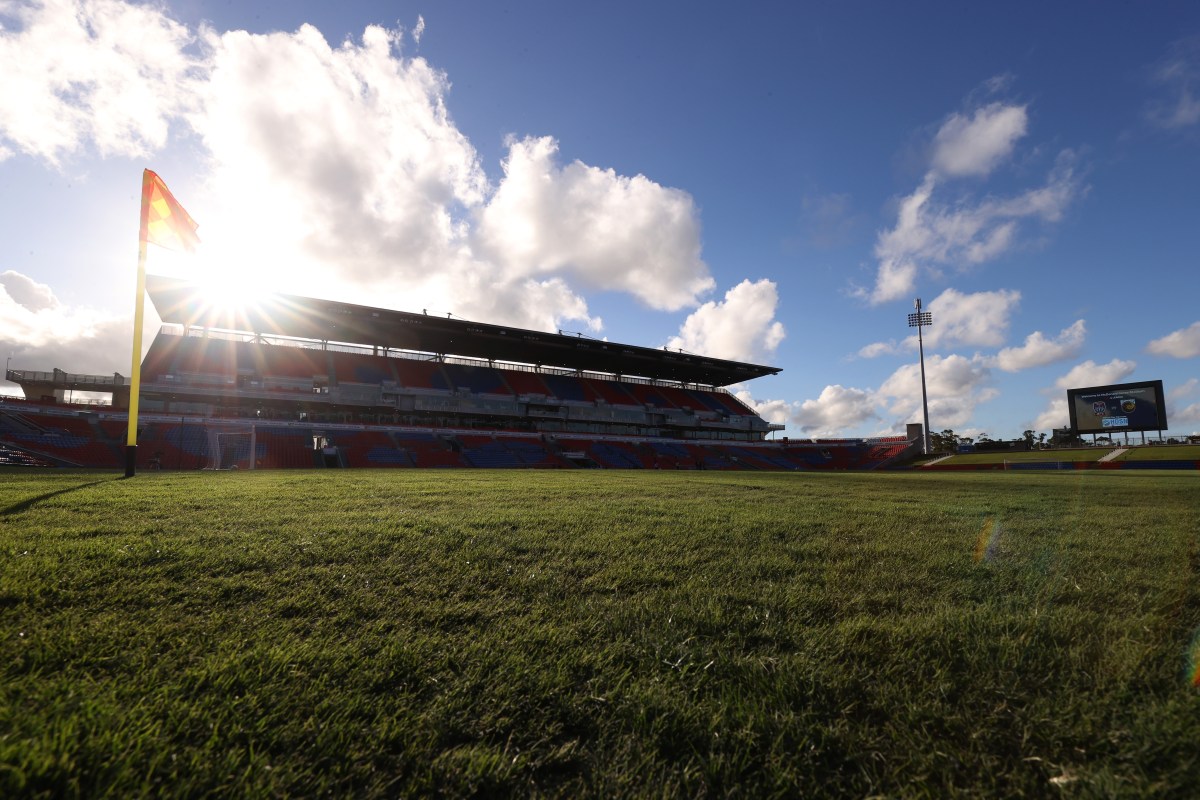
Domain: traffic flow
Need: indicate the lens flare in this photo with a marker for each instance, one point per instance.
(988, 544)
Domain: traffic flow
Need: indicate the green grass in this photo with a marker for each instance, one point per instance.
(1147, 453)
(1185, 452)
(1083, 454)
(608, 634)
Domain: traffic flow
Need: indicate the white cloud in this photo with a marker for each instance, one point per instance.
(1178, 413)
(106, 72)
(351, 154)
(28, 293)
(541, 305)
(1039, 350)
(898, 248)
(1183, 343)
(338, 170)
(1184, 390)
(1179, 76)
(1056, 415)
(41, 333)
(1087, 373)
(741, 327)
(607, 230)
(836, 409)
(975, 145)
(1188, 415)
(978, 319)
(418, 30)
(956, 386)
(776, 411)
(876, 349)
(932, 233)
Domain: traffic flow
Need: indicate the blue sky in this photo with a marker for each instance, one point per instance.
(772, 183)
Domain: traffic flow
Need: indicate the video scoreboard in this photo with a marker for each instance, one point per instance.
(1117, 408)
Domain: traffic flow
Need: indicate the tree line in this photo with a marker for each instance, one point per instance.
(949, 442)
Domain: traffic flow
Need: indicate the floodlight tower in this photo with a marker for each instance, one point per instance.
(918, 320)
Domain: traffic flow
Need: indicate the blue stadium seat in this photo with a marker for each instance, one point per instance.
(565, 387)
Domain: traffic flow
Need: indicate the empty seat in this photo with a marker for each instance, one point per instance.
(421, 374)
(568, 387)
(526, 383)
(480, 380)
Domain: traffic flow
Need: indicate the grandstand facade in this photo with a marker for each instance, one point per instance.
(302, 382)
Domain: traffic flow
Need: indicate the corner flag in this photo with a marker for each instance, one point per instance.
(166, 224)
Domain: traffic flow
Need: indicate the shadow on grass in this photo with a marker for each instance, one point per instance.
(25, 505)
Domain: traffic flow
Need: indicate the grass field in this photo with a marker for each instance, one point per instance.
(1084, 454)
(608, 634)
(1184, 452)
(999, 457)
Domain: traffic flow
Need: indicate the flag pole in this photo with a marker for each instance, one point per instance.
(135, 374)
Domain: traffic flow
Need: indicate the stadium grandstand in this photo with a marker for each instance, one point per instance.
(296, 382)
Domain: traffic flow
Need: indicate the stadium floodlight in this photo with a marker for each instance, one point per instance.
(918, 321)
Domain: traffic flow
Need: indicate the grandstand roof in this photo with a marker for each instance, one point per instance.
(184, 303)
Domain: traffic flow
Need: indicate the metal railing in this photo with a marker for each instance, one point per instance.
(58, 377)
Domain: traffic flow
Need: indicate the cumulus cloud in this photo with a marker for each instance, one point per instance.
(741, 327)
(1087, 373)
(837, 409)
(105, 72)
(541, 305)
(40, 332)
(934, 232)
(956, 386)
(1186, 415)
(975, 144)
(1056, 415)
(776, 411)
(364, 168)
(348, 152)
(339, 170)
(345, 165)
(1184, 390)
(28, 293)
(978, 319)
(1183, 343)
(1040, 350)
(609, 231)
(1182, 409)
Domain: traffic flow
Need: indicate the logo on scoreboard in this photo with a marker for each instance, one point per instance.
(1099, 408)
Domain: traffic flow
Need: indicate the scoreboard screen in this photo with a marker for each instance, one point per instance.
(1116, 408)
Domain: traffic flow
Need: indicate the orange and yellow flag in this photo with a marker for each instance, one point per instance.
(164, 222)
